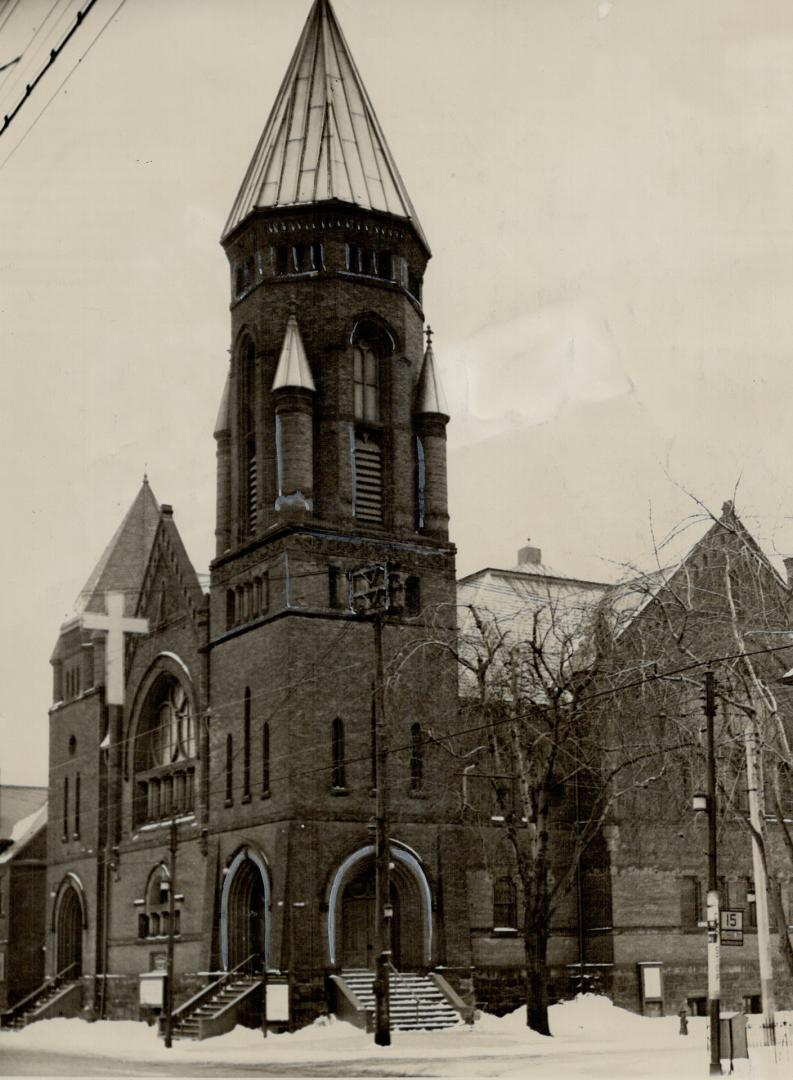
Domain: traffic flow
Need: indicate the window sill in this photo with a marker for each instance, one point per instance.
(504, 931)
(228, 802)
(246, 797)
(340, 791)
(265, 794)
(416, 793)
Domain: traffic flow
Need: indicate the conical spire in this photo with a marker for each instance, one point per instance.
(430, 397)
(293, 368)
(322, 140)
(124, 561)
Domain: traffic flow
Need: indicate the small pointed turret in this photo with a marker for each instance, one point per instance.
(431, 418)
(430, 397)
(293, 368)
(223, 421)
(293, 391)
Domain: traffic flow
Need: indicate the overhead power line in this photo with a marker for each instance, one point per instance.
(54, 54)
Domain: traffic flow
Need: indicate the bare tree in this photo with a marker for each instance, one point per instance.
(544, 758)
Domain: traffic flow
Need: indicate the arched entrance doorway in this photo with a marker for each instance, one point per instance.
(69, 932)
(245, 912)
(351, 911)
(358, 930)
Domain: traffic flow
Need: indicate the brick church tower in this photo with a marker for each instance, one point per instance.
(215, 775)
(330, 458)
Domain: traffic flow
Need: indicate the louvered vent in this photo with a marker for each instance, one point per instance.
(368, 480)
(252, 492)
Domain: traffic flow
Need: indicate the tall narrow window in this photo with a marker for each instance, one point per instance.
(77, 806)
(690, 901)
(366, 383)
(337, 754)
(230, 608)
(229, 770)
(265, 759)
(412, 596)
(65, 830)
(246, 747)
(505, 907)
(421, 483)
(416, 757)
(374, 744)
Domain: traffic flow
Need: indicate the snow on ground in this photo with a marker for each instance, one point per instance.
(592, 1038)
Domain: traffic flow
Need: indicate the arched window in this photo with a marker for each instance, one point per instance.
(165, 752)
(246, 746)
(372, 345)
(247, 440)
(154, 920)
(416, 757)
(337, 754)
(505, 903)
(229, 770)
(265, 759)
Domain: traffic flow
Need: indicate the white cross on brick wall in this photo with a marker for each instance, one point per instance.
(116, 625)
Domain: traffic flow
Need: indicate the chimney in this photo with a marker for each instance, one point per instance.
(788, 561)
(529, 556)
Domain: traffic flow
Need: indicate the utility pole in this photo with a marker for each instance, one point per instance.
(171, 912)
(714, 932)
(375, 591)
(757, 821)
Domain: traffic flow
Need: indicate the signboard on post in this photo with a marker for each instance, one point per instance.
(731, 927)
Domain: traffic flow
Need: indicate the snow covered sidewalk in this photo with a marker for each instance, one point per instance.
(592, 1038)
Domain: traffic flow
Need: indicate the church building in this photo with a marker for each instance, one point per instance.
(236, 728)
(224, 760)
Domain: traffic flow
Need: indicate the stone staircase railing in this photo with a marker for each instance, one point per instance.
(61, 992)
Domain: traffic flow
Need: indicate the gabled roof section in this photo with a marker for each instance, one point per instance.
(632, 597)
(23, 832)
(18, 801)
(322, 140)
(123, 563)
(170, 585)
(293, 368)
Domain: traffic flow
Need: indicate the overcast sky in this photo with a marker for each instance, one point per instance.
(606, 190)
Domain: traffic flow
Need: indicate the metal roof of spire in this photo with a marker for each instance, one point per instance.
(322, 140)
(430, 397)
(293, 368)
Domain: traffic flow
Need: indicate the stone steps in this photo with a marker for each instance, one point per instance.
(416, 1004)
(189, 1027)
